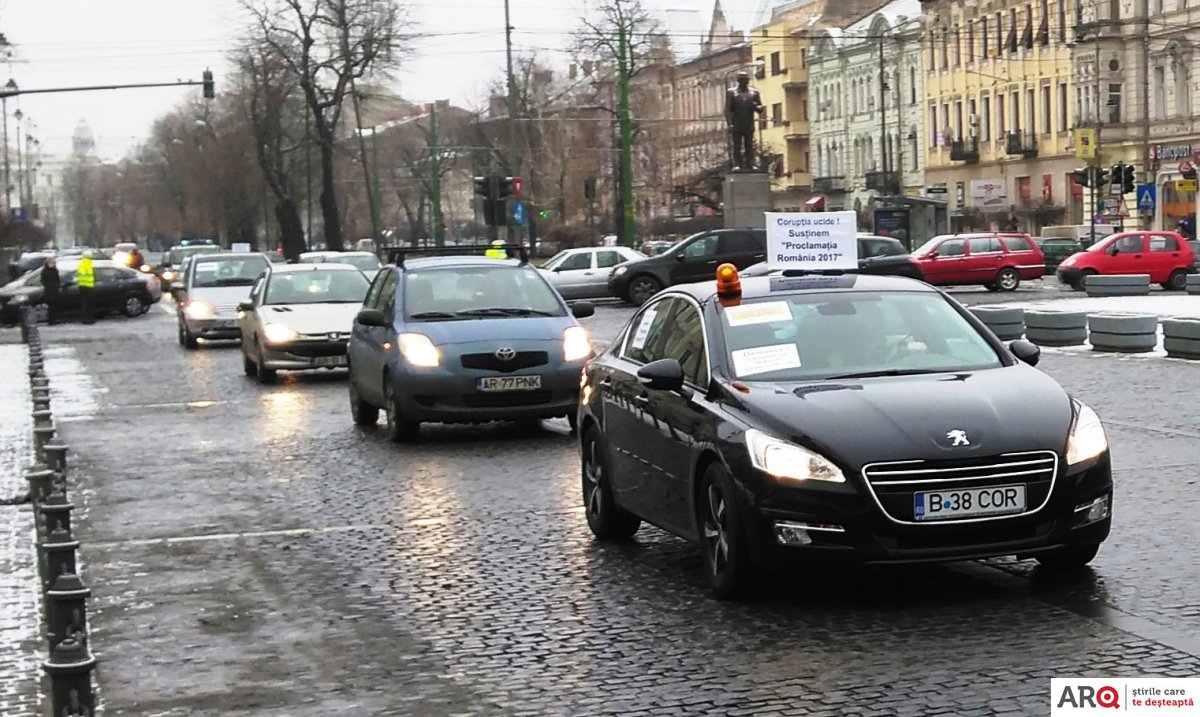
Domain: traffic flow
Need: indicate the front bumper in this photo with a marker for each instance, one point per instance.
(439, 395)
(303, 355)
(850, 527)
(1070, 277)
(214, 328)
(618, 286)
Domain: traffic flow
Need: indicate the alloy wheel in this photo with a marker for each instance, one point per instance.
(716, 531)
(593, 477)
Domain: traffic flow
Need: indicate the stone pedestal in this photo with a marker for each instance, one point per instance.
(746, 195)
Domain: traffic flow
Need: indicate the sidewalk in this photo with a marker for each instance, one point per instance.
(20, 643)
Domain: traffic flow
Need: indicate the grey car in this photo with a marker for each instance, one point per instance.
(208, 294)
(583, 273)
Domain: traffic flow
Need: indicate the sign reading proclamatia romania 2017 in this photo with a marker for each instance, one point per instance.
(812, 241)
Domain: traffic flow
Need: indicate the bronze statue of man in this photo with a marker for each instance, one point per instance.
(742, 103)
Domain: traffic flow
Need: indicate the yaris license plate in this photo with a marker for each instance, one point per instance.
(509, 383)
(968, 502)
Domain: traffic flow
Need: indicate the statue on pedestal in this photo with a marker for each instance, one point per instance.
(742, 103)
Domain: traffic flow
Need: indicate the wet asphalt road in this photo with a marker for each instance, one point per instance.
(252, 552)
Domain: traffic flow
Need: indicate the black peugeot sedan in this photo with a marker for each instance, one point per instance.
(784, 419)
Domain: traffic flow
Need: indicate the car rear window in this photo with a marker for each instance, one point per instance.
(817, 336)
(880, 247)
(1017, 243)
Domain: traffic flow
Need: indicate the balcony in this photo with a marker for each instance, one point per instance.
(883, 182)
(965, 150)
(1021, 143)
(797, 129)
(829, 185)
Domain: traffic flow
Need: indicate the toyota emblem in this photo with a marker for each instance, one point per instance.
(506, 354)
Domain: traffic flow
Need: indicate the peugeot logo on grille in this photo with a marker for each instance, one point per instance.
(506, 354)
(958, 437)
(334, 336)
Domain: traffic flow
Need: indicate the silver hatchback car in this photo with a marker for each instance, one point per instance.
(208, 294)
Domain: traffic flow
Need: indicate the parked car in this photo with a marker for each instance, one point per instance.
(1165, 256)
(654, 248)
(27, 262)
(364, 261)
(1055, 249)
(876, 255)
(583, 273)
(999, 262)
(693, 259)
(118, 289)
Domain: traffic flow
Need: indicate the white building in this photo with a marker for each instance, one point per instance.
(864, 147)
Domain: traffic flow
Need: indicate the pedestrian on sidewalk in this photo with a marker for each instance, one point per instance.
(85, 279)
(51, 289)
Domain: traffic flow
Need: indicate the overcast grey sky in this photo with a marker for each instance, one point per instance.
(62, 43)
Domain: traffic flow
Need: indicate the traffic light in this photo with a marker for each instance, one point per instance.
(509, 187)
(1127, 180)
(589, 188)
(209, 90)
(482, 186)
(1101, 177)
(1082, 176)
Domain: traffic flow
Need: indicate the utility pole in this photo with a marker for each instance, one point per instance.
(626, 229)
(7, 166)
(435, 178)
(883, 146)
(20, 169)
(514, 159)
(362, 158)
(308, 178)
(1094, 206)
(1145, 85)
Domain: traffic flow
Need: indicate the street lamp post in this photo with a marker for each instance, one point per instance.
(19, 116)
(11, 87)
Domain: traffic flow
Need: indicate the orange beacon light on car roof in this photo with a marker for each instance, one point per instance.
(729, 284)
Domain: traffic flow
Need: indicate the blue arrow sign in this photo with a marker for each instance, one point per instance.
(17, 214)
(518, 213)
(1147, 197)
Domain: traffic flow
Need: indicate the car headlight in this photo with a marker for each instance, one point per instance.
(1088, 438)
(789, 461)
(20, 299)
(168, 275)
(279, 334)
(145, 268)
(418, 350)
(576, 344)
(1069, 261)
(199, 309)
(620, 270)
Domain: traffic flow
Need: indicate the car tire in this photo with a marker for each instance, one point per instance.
(134, 306)
(573, 421)
(363, 413)
(1081, 283)
(248, 366)
(1074, 557)
(991, 287)
(1177, 281)
(265, 375)
(727, 562)
(186, 339)
(641, 288)
(1008, 279)
(399, 429)
(606, 519)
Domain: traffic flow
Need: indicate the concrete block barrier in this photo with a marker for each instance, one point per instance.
(1193, 284)
(1181, 338)
(1008, 323)
(1118, 285)
(1125, 333)
(1047, 327)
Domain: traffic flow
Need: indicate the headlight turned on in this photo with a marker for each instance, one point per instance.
(789, 461)
(576, 344)
(198, 309)
(279, 334)
(419, 351)
(1088, 438)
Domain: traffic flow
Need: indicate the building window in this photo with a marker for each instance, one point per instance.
(913, 150)
(958, 120)
(1062, 107)
(1114, 9)
(1013, 24)
(985, 115)
(1015, 115)
(776, 65)
(972, 118)
(957, 46)
(1080, 114)
(912, 85)
(1062, 20)
(805, 162)
(1114, 102)
(1047, 126)
(999, 33)
(983, 39)
(1030, 111)
(1159, 91)
(946, 121)
(971, 42)
(1001, 125)
(1156, 7)
(932, 52)
(933, 126)
(945, 50)
(776, 114)
(1183, 100)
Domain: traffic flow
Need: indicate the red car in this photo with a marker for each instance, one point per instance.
(1165, 256)
(998, 261)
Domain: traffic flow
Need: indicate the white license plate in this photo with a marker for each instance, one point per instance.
(968, 502)
(509, 383)
(331, 361)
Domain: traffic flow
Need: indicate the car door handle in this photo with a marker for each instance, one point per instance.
(759, 256)
(642, 398)
(606, 382)
(588, 273)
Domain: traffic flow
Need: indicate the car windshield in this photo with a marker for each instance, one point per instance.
(319, 286)
(362, 262)
(176, 256)
(555, 260)
(806, 337)
(233, 271)
(468, 292)
(929, 245)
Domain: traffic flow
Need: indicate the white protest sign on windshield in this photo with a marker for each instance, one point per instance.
(812, 241)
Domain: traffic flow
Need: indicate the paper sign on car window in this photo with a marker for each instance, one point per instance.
(765, 359)
(749, 314)
(643, 329)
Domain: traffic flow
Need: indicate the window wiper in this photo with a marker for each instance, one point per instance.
(504, 311)
(432, 315)
(887, 372)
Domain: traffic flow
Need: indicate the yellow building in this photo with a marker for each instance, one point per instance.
(779, 48)
(999, 112)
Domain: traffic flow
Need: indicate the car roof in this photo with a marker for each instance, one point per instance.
(209, 258)
(759, 287)
(295, 268)
(440, 262)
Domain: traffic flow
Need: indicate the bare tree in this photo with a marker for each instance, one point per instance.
(329, 45)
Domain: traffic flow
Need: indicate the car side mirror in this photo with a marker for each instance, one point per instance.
(1025, 351)
(582, 309)
(680, 256)
(371, 317)
(662, 375)
(933, 254)
(245, 306)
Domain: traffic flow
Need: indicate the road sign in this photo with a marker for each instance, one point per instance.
(1114, 189)
(1185, 167)
(1147, 197)
(1116, 208)
(518, 213)
(1185, 185)
(17, 214)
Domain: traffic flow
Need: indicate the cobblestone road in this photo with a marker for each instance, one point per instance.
(252, 552)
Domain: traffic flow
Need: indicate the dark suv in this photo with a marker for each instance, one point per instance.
(693, 259)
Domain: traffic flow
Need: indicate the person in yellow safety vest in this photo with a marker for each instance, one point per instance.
(85, 279)
(497, 251)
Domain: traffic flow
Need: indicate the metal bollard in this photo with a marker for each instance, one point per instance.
(56, 555)
(70, 670)
(66, 609)
(41, 483)
(55, 509)
(41, 436)
(55, 457)
(40, 382)
(43, 417)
